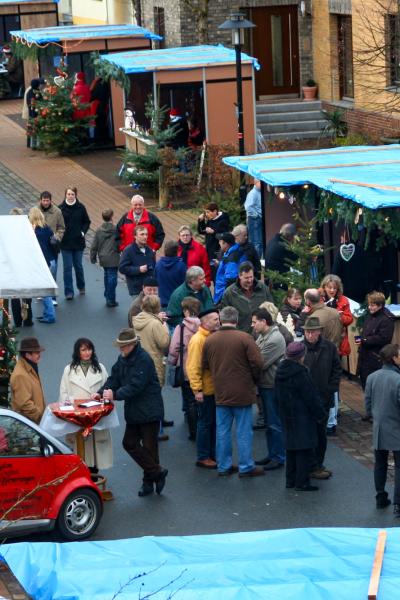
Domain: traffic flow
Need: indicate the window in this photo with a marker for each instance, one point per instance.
(345, 47)
(159, 25)
(18, 439)
(393, 49)
(8, 23)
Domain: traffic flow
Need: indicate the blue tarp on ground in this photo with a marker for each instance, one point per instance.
(47, 35)
(293, 564)
(186, 57)
(376, 167)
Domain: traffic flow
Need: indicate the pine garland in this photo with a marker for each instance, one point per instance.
(107, 71)
(8, 351)
(33, 52)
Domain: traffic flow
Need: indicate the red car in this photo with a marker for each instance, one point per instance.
(43, 484)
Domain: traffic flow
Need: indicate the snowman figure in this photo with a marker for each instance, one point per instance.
(129, 119)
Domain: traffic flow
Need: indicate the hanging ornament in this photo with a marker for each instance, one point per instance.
(358, 216)
(346, 251)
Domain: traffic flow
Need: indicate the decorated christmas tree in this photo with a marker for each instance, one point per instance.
(58, 125)
(7, 351)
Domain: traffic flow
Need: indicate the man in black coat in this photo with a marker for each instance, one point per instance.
(247, 249)
(323, 362)
(300, 409)
(277, 253)
(134, 380)
(137, 262)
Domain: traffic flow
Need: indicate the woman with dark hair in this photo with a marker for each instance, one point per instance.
(292, 305)
(82, 377)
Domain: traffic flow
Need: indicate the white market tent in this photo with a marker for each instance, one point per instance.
(23, 269)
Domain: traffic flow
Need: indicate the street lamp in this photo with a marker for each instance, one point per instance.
(237, 23)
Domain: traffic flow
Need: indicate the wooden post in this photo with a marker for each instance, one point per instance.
(162, 189)
(377, 566)
(80, 445)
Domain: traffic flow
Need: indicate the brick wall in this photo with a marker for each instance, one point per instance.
(375, 125)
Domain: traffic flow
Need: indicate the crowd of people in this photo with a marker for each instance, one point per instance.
(203, 315)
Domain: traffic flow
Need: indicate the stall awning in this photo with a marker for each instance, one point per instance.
(368, 175)
(47, 35)
(173, 59)
(23, 269)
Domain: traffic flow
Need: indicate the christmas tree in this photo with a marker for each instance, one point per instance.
(8, 351)
(56, 125)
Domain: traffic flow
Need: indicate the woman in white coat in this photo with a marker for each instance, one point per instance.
(82, 378)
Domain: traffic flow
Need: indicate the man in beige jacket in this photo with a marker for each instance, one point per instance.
(329, 318)
(55, 220)
(27, 396)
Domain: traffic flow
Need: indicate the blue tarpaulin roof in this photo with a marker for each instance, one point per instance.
(368, 175)
(81, 32)
(186, 57)
(292, 564)
(2, 2)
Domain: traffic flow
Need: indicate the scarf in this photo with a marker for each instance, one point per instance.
(185, 250)
(331, 302)
(85, 366)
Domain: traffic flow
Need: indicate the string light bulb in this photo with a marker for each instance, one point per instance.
(306, 186)
(281, 195)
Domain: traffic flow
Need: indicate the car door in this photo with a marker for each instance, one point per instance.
(25, 472)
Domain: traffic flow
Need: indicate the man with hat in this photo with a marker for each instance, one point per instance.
(27, 396)
(329, 318)
(301, 410)
(322, 360)
(228, 267)
(134, 380)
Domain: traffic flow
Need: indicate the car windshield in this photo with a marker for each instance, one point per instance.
(17, 438)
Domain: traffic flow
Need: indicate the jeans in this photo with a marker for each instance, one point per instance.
(49, 313)
(206, 428)
(73, 258)
(254, 225)
(332, 419)
(110, 283)
(380, 472)
(273, 432)
(244, 437)
(141, 443)
(53, 270)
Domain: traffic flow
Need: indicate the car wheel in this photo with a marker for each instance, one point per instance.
(79, 515)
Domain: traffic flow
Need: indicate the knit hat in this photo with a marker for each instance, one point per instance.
(312, 323)
(126, 336)
(30, 344)
(295, 350)
(150, 282)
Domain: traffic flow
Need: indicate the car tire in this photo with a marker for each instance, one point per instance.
(79, 515)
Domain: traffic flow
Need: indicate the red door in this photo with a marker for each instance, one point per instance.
(276, 45)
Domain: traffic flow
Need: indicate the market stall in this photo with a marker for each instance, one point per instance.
(198, 81)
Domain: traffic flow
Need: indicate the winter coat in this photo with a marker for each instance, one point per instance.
(126, 226)
(199, 377)
(299, 405)
(77, 223)
(322, 360)
(382, 400)
(190, 326)
(27, 396)
(135, 309)
(132, 258)
(43, 236)
(181, 137)
(329, 318)
(32, 98)
(174, 308)
(377, 332)
(98, 446)
(197, 257)
(235, 296)
(220, 224)
(346, 318)
(105, 246)
(170, 272)
(235, 363)
(250, 253)
(80, 95)
(154, 338)
(227, 272)
(277, 254)
(272, 346)
(287, 310)
(54, 219)
(134, 380)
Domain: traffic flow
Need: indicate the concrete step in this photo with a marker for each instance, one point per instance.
(291, 126)
(284, 107)
(287, 117)
(293, 135)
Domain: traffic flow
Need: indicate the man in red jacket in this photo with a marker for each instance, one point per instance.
(138, 215)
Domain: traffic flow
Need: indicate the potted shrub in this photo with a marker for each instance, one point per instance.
(310, 90)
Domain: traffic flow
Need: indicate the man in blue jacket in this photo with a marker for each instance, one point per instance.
(170, 272)
(228, 267)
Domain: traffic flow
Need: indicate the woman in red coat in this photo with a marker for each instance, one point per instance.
(193, 253)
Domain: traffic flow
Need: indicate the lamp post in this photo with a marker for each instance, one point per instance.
(237, 23)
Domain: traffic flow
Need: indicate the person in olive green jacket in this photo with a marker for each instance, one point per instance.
(106, 248)
(194, 286)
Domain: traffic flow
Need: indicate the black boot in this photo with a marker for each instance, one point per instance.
(382, 500)
(146, 489)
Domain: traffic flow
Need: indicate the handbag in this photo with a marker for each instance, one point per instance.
(176, 375)
(55, 244)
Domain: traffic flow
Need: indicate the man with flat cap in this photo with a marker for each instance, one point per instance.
(27, 396)
(134, 380)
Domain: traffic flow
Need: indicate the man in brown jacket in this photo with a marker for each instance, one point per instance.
(235, 363)
(26, 389)
(329, 318)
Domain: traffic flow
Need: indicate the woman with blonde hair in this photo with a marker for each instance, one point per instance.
(332, 290)
(43, 235)
(274, 312)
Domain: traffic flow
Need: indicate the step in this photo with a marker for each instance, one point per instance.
(294, 135)
(289, 116)
(264, 108)
(292, 126)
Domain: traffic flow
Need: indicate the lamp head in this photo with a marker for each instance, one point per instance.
(237, 23)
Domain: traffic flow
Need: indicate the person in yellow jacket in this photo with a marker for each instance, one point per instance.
(27, 396)
(203, 389)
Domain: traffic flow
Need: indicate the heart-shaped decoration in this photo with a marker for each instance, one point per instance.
(347, 251)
